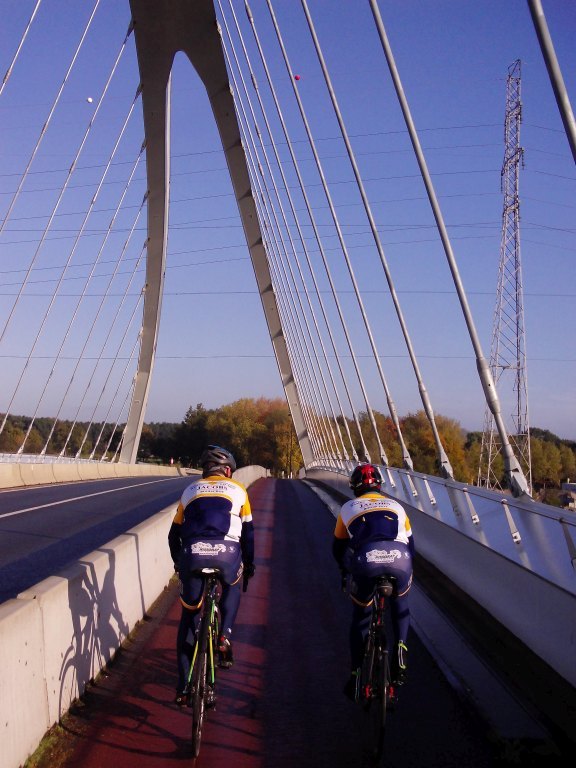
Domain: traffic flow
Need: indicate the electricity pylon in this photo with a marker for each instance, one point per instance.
(508, 350)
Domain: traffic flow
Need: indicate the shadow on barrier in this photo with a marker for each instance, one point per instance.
(136, 538)
(98, 630)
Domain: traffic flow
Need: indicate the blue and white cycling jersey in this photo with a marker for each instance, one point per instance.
(213, 507)
(373, 517)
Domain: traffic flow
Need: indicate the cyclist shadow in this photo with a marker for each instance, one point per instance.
(98, 629)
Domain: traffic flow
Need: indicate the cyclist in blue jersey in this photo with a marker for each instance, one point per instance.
(373, 538)
(212, 528)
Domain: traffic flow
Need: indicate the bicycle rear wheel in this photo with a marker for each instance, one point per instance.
(199, 684)
(375, 703)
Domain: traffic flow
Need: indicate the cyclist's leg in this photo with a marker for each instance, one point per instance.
(362, 593)
(230, 564)
(400, 615)
(229, 604)
(228, 559)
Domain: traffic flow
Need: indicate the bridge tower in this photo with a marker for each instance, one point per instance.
(508, 349)
(162, 28)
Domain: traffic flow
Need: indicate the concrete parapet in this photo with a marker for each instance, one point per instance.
(23, 703)
(88, 609)
(61, 632)
(10, 476)
(66, 473)
(17, 474)
(36, 474)
(249, 475)
(91, 471)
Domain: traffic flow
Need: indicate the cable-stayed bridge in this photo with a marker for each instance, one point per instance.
(124, 169)
(347, 224)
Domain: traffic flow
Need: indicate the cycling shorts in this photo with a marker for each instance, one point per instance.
(207, 553)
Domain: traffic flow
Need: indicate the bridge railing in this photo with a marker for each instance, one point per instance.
(38, 458)
(515, 558)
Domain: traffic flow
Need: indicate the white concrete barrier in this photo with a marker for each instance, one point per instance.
(92, 471)
(23, 701)
(248, 475)
(36, 474)
(56, 636)
(66, 473)
(10, 475)
(15, 474)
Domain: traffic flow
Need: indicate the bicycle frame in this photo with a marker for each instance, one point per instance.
(202, 675)
(209, 614)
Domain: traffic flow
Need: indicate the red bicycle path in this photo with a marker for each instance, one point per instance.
(281, 704)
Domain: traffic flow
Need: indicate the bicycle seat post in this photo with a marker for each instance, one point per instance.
(385, 586)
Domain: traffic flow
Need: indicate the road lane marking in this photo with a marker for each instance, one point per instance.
(86, 496)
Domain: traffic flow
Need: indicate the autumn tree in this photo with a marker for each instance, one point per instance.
(546, 462)
(568, 460)
(453, 439)
(191, 436)
(387, 433)
(147, 440)
(11, 437)
(257, 431)
(420, 441)
(34, 443)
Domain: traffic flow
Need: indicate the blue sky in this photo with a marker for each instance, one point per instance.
(453, 59)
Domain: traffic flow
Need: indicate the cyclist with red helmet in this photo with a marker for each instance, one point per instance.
(212, 528)
(373, 538)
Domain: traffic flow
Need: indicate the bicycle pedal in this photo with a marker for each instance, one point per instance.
(367, 693)
(182, 699)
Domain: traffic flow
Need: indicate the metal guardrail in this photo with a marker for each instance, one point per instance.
(536, 536)
(516, 558)
(37, 458)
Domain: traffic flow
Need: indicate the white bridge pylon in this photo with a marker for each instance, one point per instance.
(163, 28)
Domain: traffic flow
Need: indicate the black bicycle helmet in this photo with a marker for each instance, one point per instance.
(214, 455)
(366, 477)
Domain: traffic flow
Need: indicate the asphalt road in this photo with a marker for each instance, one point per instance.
(44, 528)
(281, 705)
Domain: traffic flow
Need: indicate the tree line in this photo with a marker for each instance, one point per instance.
(66, 437)
(260, 431)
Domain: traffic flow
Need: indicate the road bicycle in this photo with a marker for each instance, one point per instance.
(374, 689)
(200, 688)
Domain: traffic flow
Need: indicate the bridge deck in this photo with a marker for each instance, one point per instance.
(281, 704)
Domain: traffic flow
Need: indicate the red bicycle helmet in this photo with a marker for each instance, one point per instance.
(366, 477)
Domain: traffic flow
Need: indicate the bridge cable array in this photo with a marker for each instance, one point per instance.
(99, 360)
(333, 450)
